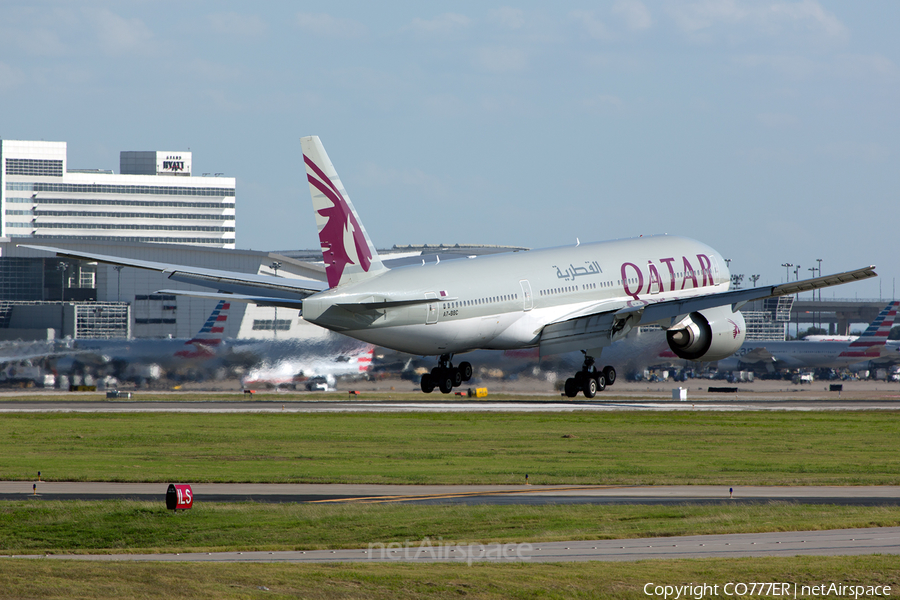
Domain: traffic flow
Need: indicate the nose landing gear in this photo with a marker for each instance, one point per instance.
(589, 380)
(445, 376)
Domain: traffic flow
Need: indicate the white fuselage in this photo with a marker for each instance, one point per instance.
(503, 301)
(801, 355)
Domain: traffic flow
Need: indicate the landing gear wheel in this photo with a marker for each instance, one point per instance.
(427, 383)
(571, 387)
(466, 370)
(456, 376)
(601, 382)
(590, 387)
(610, 374)
(445, 383)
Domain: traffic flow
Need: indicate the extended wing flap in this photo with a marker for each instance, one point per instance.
(594, 331)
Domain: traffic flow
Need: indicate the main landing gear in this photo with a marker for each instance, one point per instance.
(589, 380)
(445, 376)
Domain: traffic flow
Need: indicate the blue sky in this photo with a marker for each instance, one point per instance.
(767, 129)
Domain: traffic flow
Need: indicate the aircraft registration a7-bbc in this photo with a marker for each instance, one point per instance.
(582, 297)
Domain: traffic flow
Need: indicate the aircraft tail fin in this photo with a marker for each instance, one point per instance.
(210, 335)
(876, 334)
(348, 252)
(872, 341)
(364, 359)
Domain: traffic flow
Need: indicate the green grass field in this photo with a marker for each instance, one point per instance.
(752, 448)
(58, 580)
(32, 527)
(652, 448)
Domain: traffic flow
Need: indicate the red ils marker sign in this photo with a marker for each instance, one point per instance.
(179, 497)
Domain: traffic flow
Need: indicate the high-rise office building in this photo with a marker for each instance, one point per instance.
(154, 198)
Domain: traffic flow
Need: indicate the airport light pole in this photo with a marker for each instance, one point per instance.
(786, 267)
(61, 267)
(118, 269)
(813, 271)
(275, 266)
(819, 260)
(797, 296)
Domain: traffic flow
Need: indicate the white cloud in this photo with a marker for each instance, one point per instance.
(794, 66)
(868, 152)
(501, 59)
(325, 25)
(635, 14)
(594, 27)
(858, 66)
(36, 42)
(808, 13)
(707, 16)
(236, 24)
(443, 25)
(120, 35)
(865, 65)
(511, 18)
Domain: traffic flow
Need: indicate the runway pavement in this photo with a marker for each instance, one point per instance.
(733, 403)
(841, 542)
(454, 494)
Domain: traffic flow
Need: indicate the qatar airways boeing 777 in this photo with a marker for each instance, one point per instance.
(579, 297)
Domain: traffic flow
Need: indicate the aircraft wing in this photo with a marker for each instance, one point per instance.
(265, 289)
(604, 324)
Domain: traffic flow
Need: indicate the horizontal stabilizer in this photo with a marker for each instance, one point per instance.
(258, 300)
(364, 306)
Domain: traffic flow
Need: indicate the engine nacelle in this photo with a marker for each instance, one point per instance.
(707, 335)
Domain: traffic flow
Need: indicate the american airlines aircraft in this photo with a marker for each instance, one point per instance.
(311, 368)
(870, 346)
(578, 297)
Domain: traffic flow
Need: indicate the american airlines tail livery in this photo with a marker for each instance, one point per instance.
(207, 340)
(579, 297)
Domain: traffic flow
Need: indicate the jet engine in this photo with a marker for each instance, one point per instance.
(707, 335)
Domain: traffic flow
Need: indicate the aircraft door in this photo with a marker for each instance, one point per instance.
(527, 302)
(431, 309)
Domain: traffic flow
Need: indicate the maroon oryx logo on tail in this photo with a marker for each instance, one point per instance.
(340, 220)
